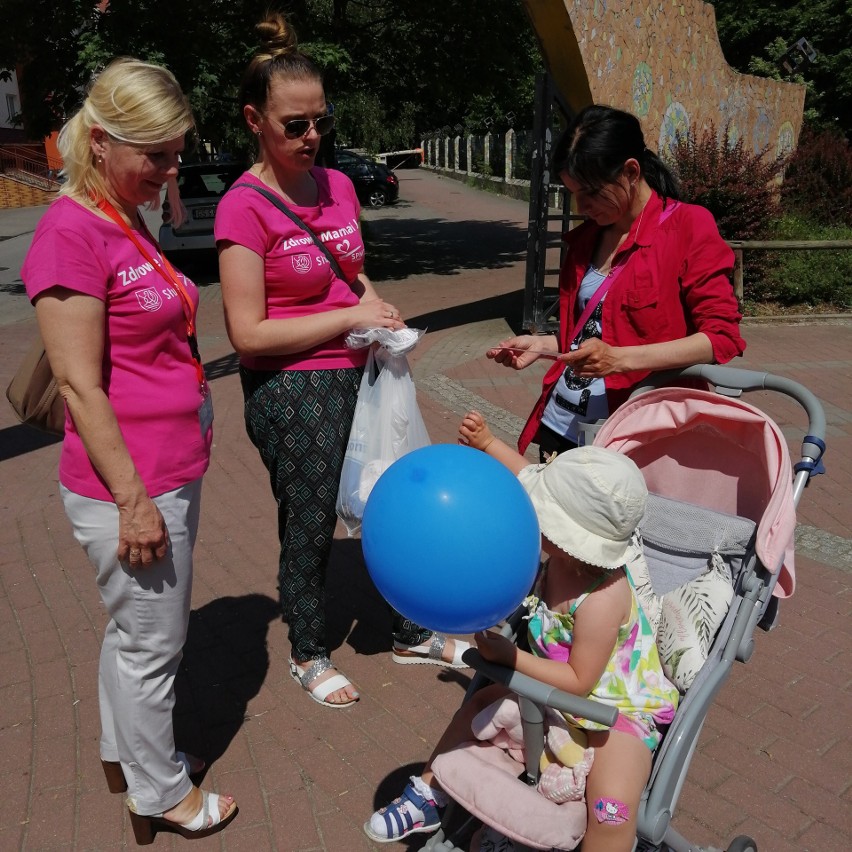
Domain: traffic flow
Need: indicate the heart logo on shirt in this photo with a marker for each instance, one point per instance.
(344, 246)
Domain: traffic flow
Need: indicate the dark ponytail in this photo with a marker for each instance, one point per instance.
(599, 141)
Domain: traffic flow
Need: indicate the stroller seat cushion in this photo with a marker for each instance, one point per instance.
(691, 616)
(485, 781)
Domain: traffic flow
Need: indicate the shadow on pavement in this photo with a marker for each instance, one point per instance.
(218, 368)
(507, 306)
(20, 439)
(224, 664)
(399, 248)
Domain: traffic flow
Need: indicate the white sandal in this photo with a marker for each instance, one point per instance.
(431, 652)
(209, 820)
(306, 675)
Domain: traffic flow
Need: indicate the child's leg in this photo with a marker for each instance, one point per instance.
(416, 809)
(621, 768)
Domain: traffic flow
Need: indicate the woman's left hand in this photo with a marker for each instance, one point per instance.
(594, 359)
(496, 648)
(142, 534)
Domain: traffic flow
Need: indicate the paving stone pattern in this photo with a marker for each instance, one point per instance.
(774, 758)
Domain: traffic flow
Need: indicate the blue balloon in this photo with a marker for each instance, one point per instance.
(451, 538)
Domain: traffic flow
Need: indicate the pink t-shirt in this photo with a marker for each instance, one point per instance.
(148, 372)
(299, 278)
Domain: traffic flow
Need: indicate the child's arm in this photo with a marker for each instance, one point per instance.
(596, 628)
(474, 432)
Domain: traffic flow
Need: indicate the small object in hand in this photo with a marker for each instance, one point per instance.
(538, 352)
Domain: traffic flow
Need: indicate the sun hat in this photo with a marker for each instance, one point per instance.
(589, 502)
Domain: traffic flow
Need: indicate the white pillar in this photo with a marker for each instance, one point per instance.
(510, 154)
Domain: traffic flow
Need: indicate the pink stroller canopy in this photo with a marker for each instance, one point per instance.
(716, 452)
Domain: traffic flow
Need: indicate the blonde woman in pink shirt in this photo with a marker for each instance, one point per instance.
(118, 323)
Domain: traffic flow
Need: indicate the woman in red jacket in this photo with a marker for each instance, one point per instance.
(644, 285)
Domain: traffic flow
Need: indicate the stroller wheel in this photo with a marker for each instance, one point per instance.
(743, 843)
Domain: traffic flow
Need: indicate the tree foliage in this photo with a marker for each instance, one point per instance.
(393, 68)
(755, 34)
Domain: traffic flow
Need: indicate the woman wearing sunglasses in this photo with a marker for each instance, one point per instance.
(288, 309)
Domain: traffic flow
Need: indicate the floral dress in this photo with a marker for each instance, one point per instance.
(633, 680)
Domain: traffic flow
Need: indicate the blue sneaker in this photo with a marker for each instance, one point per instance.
(409, 814)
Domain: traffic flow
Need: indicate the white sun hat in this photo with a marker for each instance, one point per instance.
(589, 502)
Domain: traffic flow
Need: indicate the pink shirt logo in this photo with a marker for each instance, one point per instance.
(149, 299)
(302, 263)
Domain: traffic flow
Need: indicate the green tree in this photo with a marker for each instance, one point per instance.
(42, 38)
(394, 69)
(755, 34)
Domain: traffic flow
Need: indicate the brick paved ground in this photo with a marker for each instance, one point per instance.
(774, 757)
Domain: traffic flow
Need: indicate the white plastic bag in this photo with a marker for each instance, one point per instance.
(386, 426)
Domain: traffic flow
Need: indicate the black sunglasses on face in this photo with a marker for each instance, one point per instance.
(298, 127)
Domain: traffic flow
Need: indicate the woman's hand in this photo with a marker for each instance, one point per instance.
(375, 313)
(142, 533)
(496, 648)
(519, 352)
(594, 359)
(474, 431)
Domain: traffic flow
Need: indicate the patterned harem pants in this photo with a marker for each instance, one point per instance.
(299, 420)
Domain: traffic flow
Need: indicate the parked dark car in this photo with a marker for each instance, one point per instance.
(201, 185)
(375, 184)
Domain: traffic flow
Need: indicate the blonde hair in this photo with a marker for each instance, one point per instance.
(279, 56)
(134, 102)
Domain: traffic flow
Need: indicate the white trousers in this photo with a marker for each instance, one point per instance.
(143, 643)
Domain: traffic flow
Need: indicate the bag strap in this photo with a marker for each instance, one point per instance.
(607, 283)
(277, 202)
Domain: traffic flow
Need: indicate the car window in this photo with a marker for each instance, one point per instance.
(196, 184)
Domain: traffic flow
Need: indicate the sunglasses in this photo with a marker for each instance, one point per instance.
(298, 127)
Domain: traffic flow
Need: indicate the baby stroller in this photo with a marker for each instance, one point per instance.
(721, 511)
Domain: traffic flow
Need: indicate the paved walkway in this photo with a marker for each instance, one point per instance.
(774, 759)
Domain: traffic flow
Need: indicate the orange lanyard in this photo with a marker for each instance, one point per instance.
(171, 276)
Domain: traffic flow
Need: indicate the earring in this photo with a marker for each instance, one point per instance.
(258, 133)
(100, 158)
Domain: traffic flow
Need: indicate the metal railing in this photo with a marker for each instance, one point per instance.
(18, 163)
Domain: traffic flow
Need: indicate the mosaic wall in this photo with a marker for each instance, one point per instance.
(661, 60)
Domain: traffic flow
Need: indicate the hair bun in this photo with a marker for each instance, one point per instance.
(276, 36)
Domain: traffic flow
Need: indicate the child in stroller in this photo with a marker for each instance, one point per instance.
(587, 634)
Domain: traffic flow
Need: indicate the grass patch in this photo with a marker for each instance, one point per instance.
(805, 279)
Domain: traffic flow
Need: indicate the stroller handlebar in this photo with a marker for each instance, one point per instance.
(735, 379)
(542, 693)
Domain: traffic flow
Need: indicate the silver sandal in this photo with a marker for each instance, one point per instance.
(306, 675)
(433, 655)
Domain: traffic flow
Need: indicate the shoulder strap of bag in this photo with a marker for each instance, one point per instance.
(607, 283)
(277, 202)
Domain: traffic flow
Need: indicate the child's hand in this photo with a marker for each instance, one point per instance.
(496, 648)
(474, 432)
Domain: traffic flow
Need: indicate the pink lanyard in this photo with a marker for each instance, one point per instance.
(171, 276)
(607, 283)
